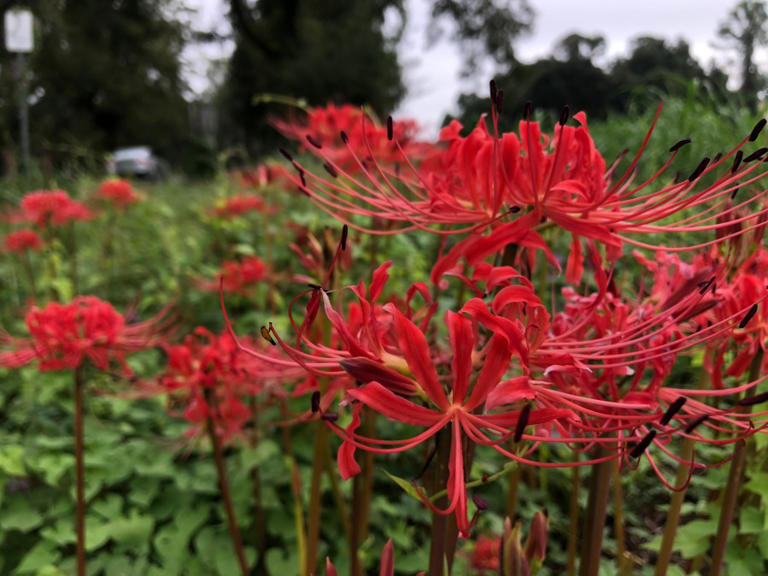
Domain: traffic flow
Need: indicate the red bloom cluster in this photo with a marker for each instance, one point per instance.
(239, 205)
(118, 192)
(239, 277)
(52, 207)
(207, 376)
(23, 240)
(65, 335)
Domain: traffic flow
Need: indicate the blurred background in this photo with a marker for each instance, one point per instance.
(194, 78)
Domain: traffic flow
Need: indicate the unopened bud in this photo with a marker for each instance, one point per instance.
(536, 543)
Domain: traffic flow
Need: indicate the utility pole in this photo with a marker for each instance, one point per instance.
(19, 38)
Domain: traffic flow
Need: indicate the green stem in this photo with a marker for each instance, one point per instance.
(673, 515)
(439, 521)
(625, 564)
(573, 534)
(597, 506)
(730, 497)
(79, 472)
(313, 522)
(221, 470)
(261, 531)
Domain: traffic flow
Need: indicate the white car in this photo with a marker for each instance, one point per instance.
(137, 161)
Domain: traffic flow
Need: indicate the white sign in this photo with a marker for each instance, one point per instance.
(18, 30)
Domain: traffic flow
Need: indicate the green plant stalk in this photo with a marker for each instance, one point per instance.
(298, 508)
(573, 533)
(338, 497)
(362, 491)
(369, 429)
(437, 537)
(221, 471)
(515, 475)
(74, 265)
(673, 515)
(79, 472)
(30, 274)
(261, 530)
(318, 467)
(594, 525)
(625, 564)
(736, 471)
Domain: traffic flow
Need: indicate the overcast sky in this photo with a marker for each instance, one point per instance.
(432, 75)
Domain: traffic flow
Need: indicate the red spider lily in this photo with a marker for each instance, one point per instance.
(240, 205)
(207, 376)
(346, 134)
(485, 556)
(21, 241)
(65, 335)
(238, 277)
(263, 175)
(118, 192)
(386, 565)
(478, 181)
(51, 207)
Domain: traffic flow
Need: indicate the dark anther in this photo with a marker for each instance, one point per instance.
(737, 161)
(330, 416)
(494, 91)
(527, 109)
(267, 336)
(285, 153)
(522, 422)
(673, 409)
(315, 402)
(698, 421)
(314, 142)
(514, 209)
(344, 234)
(748, 316)
(331, 170)
(756, 130)
(499, 100)
(303, 178)
(758, 399)
(717, 157)
(756, 155)
(704, 286)
(390, 129)
(344, 137)
(564, 114)
(699, 169)
(679, 144)
(643, 444)
(733, 194)
(479, 502)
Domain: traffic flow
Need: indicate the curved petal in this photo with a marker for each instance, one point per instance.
(393, 406)
(463, 343)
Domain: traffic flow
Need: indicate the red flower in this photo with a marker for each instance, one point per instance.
(238, 277)
(118, 192)
(20, 241)
(239, 205)
(52, 207)
(64, 335)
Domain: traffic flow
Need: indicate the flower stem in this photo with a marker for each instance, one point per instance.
(673, 515)
(318, 467)
(439, 521)
(731, 494)
(625, 564)
(573, 533)
(79, 472)
(221, 470)
(597, 505)
(261, 532)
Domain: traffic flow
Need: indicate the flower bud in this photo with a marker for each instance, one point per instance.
(512, 561)
(536, 543)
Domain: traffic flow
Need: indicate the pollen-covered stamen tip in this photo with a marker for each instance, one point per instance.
(673, 409)
(737, 161)
(695, 423)
(757, 129)
(756, 155)
(748, 316)
(344, 234)
(331, 170)
(314, 142)
(679, 144)
(267, 336)
(643, 444)
(315, 402)
(699, 169)
(390, 129)
(494, 91)
(479, 502)
(564, 114)
(522, 422)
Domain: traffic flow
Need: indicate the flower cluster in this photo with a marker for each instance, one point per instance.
(51, 208)
(238, 277)
(118, 192)
(21, 241)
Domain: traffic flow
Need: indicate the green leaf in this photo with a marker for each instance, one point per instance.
(750, 520)
(97, 533)
(12, 460)
(132, 530)
(19, 515)
(252, 458)
(108, 507)
(61, 533)
(405, 485)
(42, 555)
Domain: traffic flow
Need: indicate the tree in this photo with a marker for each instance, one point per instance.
(104, 75)
(318, 50)
(745, 30)
(485, 28)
